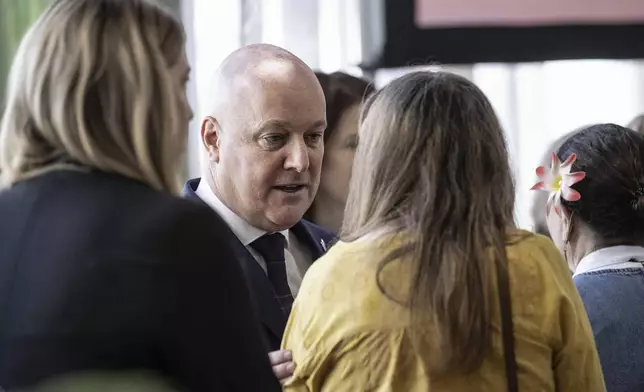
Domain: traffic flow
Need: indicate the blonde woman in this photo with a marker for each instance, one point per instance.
(102, 267)
(433, 288)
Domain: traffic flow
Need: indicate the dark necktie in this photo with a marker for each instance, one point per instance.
(271, 248)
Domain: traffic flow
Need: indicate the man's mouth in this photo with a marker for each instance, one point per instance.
(290, 188)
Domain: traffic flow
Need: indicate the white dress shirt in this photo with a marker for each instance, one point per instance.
(613, 257)
(296, 256)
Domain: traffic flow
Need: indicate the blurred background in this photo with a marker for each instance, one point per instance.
(548, 66)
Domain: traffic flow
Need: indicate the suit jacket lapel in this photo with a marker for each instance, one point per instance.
(269, 310)
(317, 245)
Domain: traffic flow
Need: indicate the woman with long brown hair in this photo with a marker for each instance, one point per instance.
(433, 288)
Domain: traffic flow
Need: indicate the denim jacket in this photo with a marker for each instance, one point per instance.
(611, 284)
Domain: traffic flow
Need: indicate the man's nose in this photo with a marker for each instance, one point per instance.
(298, 157)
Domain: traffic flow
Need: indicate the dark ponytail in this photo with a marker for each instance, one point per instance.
(612, 194)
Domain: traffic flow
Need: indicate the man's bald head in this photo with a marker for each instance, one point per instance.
(263, 138)
(256, 67)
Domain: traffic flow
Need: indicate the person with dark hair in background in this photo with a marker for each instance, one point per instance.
(103, 267)
(344, 95)
(598, 223)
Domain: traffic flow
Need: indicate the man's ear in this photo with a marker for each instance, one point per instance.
(210, 137)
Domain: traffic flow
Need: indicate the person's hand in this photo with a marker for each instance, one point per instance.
(282, 363)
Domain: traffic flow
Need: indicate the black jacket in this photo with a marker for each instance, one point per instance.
(101, 272)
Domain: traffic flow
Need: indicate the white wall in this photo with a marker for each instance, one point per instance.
(213, 30)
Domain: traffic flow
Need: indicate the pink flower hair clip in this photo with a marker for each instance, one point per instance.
(559, 180)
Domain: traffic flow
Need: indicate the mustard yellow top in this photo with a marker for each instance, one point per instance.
(347, 336)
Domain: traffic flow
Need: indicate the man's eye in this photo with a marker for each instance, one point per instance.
(315, 138)
(273, 139)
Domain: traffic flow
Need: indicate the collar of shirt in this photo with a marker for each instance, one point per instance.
(242, 229)
(613, 257)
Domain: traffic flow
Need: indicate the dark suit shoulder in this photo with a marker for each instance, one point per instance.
(101, 216)
(180, 215)
(319, 231)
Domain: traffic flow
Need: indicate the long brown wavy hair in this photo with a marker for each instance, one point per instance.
(432, 161)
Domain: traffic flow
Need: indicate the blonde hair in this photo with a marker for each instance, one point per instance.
(90, 86)
(432, 162)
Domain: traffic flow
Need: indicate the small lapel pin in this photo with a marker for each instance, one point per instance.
(323, 244)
